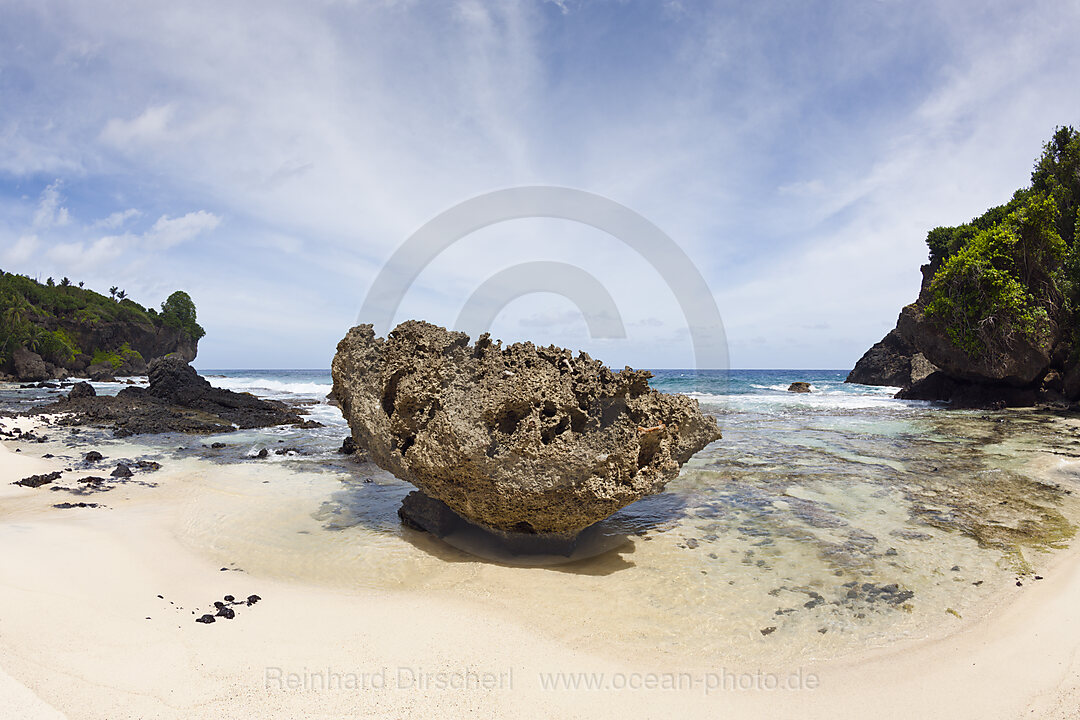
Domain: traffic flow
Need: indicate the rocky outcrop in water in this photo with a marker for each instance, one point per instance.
(887, 363)
(919, 357)
(516, 440)
(178, 400)
(996, 320)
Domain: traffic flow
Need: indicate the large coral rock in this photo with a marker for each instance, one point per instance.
(521, 439)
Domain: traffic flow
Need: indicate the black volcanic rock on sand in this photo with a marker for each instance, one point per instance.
(178, 400)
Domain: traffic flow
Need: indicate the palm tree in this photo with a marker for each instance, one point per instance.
(112, 292)
(64, 282)
(80, 283)
(121, 295)
(37, 338)
(14, 317)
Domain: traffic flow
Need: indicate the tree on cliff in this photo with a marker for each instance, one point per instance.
(1014, 272)
(178, 311)
(63, 323)
(1057, 174)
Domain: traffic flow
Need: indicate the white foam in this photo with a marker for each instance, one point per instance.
(269, 387)
(837, 399)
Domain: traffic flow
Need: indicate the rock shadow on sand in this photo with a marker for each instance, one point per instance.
(600, 549)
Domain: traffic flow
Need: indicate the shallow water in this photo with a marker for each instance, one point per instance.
(819, 524)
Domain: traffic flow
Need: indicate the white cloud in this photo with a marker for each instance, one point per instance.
(95, 255)
(149, 127)
(50, 213)
(117, 219)
(168, 232)
(19, 253)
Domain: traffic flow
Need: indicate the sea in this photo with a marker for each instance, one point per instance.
(820, 524)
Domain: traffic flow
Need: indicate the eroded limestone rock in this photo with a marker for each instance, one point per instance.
(521, 439)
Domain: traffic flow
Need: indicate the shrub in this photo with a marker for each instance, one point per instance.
(1003, 283)
(106, 356)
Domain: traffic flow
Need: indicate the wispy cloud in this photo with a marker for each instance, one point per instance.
(116, 219)
(150, 126)
(50, 213)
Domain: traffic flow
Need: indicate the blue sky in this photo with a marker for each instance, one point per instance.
(268, 157)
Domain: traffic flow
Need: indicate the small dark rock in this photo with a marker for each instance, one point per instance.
(205, 619)
(217, 445)
(226, 612)
(68, 506)
(252, 599)
(93, 456)
(121, 471)
(348, 446)
(262, 454)
(35, 481)
(799, 387)
(769, 630)
(229, 598)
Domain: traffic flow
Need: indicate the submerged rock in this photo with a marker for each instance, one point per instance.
(516, 440)
(799, 387)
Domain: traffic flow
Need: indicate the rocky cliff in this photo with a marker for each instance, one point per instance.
(996, 320)
(55, 330)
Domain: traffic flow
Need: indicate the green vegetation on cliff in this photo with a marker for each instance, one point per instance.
(47, 319)
(1014, 271)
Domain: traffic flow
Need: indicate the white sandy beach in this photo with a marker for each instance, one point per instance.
(84, 635)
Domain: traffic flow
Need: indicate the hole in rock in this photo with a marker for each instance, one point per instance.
(650, 443)
(390, 395)
(509, 418)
